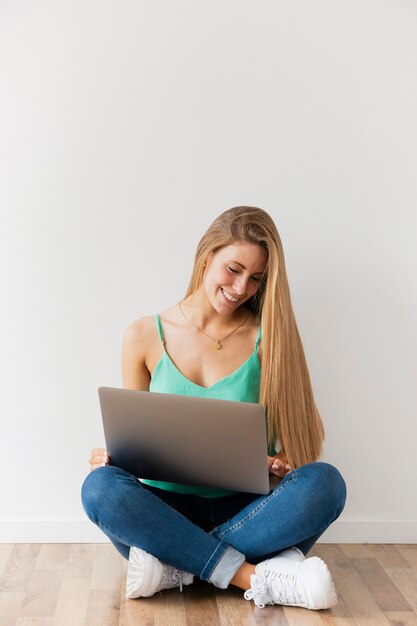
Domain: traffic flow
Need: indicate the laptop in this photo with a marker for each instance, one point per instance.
(187, 439)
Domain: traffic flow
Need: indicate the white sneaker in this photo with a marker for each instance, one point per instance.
(306, 583)
(146, 575)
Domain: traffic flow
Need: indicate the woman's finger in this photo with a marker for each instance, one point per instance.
(280, 468)
(98, 461)
(94, 466)
(98, 452)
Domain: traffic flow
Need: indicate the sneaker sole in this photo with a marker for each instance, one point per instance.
(151, 570)
(318, 584)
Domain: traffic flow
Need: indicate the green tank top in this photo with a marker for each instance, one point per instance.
(242, 385)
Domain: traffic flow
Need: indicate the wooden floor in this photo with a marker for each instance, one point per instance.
(84, 584)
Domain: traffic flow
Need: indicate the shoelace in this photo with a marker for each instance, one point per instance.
(263, 592)
(258, 592)
(171, 576)
(177, 578)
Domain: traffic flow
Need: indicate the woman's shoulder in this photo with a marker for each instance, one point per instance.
(140, 330)
(136, 344)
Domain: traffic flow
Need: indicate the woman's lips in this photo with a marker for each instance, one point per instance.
(226, 299)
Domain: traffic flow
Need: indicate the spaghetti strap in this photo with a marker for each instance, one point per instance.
(258, 338)
(159, 327)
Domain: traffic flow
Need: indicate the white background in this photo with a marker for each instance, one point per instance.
(126, 128)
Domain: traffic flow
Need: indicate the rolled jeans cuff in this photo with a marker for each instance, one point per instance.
(223, 565)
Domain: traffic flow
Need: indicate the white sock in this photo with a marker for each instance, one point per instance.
(292, 553)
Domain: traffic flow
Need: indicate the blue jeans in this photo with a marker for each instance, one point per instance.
(212, 537)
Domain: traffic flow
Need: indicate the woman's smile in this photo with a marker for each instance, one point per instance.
(228, 297)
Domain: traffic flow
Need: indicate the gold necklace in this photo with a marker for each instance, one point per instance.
(218, 344)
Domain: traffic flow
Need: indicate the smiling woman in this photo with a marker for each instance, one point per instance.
(232, 285)
(238, 283)
(232, 336)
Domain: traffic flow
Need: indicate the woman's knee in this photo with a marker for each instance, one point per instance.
(93, 489)
(97, 487)
(331, 482)
(109, 486)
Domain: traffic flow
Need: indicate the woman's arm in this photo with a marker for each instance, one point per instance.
(135, 374)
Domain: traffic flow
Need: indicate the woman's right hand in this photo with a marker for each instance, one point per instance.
(278, 465)
(98, 458)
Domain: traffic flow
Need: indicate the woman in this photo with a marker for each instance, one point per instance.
(209, 344)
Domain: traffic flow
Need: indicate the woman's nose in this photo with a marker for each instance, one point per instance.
(240, 285)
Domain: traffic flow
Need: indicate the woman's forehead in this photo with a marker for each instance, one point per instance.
(245, 253)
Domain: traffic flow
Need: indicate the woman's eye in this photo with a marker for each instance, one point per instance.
(257, 280)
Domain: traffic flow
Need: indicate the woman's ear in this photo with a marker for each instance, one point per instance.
(208, 258)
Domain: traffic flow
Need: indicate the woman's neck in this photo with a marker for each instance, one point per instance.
(200, 312)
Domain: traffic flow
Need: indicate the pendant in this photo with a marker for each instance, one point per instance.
(218, 346)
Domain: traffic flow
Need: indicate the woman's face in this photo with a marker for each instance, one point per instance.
(232, 275)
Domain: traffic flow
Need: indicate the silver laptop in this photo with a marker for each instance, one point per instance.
(187, 439)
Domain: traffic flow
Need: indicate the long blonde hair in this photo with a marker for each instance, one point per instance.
(285, 389)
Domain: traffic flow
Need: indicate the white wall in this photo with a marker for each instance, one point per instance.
(126, 128)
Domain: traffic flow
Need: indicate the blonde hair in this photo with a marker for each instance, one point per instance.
(285, 389)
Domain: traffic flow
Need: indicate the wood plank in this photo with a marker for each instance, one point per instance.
(385, 593)
(234, 610)
(365, 610)
(297, 616)
(53, 556)
(35, 621)
(81, 559)
(109, 568)
(401, 618)
(10, 603)
(103, 608)
(269, 615)
(19, 567)
(388, 555)
(164, 608)
(200, 603)
(73, 600)
(42, 593)
(136, 611)
(409, 552)
(352, 550)
(5, 552)
(168, 608)
(406, 582)
(331, 620)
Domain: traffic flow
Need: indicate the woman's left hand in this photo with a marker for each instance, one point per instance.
(278, 465)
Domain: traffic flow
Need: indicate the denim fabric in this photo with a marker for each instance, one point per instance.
(212, 537)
